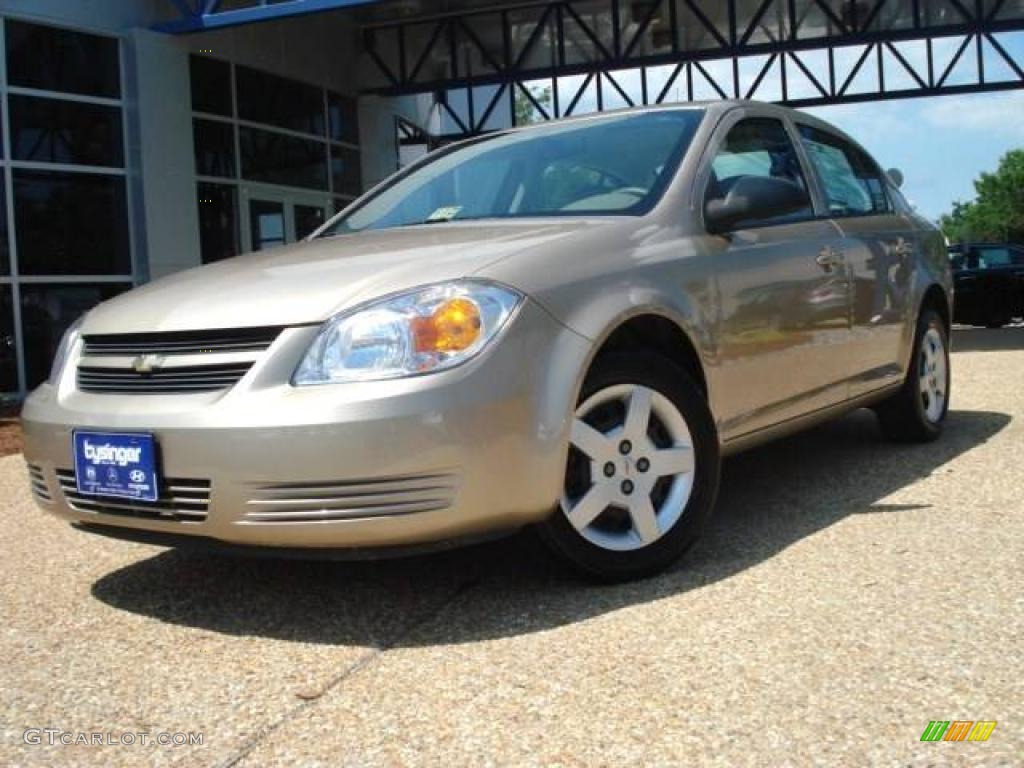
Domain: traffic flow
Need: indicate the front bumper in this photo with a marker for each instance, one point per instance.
(476, 449)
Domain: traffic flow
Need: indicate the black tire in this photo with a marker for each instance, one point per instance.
(652, 371)
(996, 323)
(903, 417)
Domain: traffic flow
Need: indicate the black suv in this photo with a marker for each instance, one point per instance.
(988, 283)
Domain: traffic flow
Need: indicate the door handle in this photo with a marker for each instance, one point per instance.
(828, 257)
(903, 248)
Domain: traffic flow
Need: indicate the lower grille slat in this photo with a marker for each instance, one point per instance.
(184, 500)
(37, 480)
(361, 498)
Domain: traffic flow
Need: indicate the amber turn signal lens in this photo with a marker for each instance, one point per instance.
(452, 327)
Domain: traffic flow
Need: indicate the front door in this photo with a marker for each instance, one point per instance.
(272, 218)
(784, 293)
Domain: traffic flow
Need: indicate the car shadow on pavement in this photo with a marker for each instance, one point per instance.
(771, 498)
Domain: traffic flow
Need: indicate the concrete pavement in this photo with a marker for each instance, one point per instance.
(848, 592)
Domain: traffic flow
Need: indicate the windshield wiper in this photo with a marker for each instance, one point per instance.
(446, 221)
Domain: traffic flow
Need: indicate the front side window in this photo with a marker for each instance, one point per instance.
(757, 147)
(853, 184)
(603, 166)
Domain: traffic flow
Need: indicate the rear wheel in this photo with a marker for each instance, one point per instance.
(917, 411)
(642, 470)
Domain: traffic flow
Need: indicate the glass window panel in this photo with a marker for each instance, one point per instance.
(853, 184)
(71, 223)
(47, 311)
(218, 221)
(8, 358)
(275, 158)
(617, 165)
(214, 144)
(265, 98)
(211, 85)
(307, 219)
(54, 59)
(761, 147)
(345, 170)
(344, 118)
(5, 256)
(58, 131)
(266, 224)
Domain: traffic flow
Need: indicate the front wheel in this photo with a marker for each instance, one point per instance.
(642, 470)
(917, 411)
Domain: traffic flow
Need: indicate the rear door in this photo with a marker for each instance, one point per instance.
(879, 249)
(784, 298)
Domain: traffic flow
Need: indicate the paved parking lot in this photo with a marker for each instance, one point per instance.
(848, 592)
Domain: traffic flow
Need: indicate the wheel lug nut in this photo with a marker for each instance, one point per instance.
(643, 465)
(609, 469)
(625, 447)
(627, 486)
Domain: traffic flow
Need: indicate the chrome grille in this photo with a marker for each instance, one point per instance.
(38, 482)
(181, 380)
(181, 500)
(181, 342)
(178, 362)
(350, 499)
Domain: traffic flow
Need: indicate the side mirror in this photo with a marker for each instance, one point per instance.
(895, 176)
(753, 198)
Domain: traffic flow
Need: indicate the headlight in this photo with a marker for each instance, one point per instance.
(60, 357)
(425, 330)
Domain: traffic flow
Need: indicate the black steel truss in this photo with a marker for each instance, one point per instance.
(495, 67)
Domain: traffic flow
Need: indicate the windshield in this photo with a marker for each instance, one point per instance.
(610, 165)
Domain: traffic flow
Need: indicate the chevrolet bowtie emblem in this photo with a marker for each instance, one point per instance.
(147, 363)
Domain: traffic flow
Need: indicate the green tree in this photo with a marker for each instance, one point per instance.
(997, 212)
(525, 111)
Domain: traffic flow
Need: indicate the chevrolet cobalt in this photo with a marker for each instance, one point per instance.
(564, 327)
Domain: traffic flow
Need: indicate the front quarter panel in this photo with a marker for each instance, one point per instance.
(596, 281)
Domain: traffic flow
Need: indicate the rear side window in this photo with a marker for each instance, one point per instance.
(988, 258)
(853, 184)
(757, 146)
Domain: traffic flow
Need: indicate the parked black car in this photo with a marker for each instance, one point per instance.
(988, 283)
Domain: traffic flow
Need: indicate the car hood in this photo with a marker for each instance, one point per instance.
(308, 282)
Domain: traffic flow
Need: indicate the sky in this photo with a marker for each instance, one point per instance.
(940, 143)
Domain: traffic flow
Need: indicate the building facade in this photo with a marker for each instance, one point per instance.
(128, 154)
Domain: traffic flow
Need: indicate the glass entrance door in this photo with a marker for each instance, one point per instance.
(274, 218)
(266, 224)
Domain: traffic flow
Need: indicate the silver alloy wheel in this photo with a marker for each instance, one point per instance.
(933, 375)
(641, 468)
